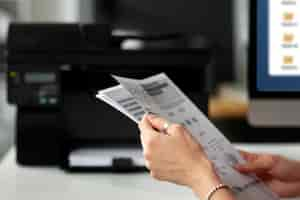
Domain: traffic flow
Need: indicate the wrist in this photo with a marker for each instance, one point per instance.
(201, 189)
(204, 181)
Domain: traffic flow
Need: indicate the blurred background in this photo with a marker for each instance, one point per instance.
(224, 26)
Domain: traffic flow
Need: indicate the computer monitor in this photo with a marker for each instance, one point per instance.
(274, 69)
(213, 19)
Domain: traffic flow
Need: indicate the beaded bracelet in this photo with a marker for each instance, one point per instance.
(215, 189)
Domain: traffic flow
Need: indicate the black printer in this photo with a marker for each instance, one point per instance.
(54, 72)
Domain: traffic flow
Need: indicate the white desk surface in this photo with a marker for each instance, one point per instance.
(19, 183)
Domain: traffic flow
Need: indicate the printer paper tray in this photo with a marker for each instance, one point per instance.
(105, 160)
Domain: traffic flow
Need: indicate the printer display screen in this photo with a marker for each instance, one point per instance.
(39, 77)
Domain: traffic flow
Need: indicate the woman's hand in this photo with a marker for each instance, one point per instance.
(280, 174)
(176, 157)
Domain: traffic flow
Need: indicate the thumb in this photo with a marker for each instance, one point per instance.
(145, 125)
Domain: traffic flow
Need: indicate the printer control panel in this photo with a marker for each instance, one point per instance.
(34, 88)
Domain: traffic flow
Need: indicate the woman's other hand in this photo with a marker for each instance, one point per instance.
(280, 174)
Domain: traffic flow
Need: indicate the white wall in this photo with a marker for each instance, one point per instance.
(87, 11)
(49, 10)
(7, 120)
(241, 17)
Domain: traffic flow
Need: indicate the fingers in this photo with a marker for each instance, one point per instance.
(262, 164)
(148, 134)
(156, 122)
(153, 122)
(144, 125)
(249, 157)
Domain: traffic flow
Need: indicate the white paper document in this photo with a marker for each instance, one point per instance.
(159, 95)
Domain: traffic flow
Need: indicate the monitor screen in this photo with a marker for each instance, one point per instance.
(278, 37)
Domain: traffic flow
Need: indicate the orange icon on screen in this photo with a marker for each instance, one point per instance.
(288, 16)
(288, 60)
(288, 38)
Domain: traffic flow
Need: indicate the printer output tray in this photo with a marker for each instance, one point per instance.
(111, 158)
